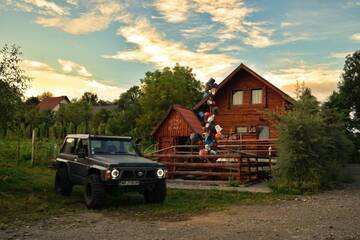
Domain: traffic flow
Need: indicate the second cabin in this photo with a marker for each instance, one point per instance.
(245, 101)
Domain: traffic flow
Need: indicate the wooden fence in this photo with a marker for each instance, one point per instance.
(243, 160)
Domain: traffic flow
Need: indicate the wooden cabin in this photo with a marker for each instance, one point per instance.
(245, 101)
(176, 127)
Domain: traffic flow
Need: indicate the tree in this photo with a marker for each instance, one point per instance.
(129, 98)
(75, 113)
(312, 146)
(90, 98)
(45, 95)
(346, 100)
(13, 83)
(32, 101)
(163, 88)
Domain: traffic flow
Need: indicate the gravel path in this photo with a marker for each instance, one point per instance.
(329, 215)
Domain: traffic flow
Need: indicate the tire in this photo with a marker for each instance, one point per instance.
(94, 192)
(156, 193)
(63, 185)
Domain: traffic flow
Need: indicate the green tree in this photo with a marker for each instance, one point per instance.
(346, 100)
(90, 98)
(163, 88)
(32, 101)
(312, 146)
(75, 113)
(45, 95)
(13, 83)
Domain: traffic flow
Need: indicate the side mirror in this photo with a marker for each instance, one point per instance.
(81, 154)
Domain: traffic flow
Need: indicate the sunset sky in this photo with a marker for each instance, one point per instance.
(106, 46)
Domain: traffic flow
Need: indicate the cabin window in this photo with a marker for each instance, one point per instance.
(237, 97)
(256, 96)
(263, 132)
(241, 130)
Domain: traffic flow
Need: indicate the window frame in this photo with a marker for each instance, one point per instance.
(258, 132)
(262, 96)
(232, 97)
(74, 148)
(247, 130)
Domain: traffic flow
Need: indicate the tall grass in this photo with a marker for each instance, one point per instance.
(14, 151)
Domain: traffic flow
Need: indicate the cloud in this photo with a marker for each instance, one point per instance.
(47, 7)
(98, 18)
(231, 48)
(45, 78)
(322, 79)
(174, 11)
(341, 55)
(207, 46)
(356, 37)
(72, 2)
(153, 48)
(73, 67)
(231, 13)
(286, 24)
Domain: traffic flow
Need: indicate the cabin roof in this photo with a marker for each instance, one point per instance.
(187, 114)
(50, 103)
(242, 66)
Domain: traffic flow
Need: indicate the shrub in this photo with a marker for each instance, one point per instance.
(313, 147)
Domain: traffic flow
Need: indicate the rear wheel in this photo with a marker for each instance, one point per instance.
(94, 193)
(63, 185)
(156, 193)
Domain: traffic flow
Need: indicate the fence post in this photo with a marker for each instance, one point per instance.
(33, 147)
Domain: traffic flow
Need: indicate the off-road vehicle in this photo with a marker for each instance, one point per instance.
(102, 163)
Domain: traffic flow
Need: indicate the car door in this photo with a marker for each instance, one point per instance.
(81, 163)
(68, 154)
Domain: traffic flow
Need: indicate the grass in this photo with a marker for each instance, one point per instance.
(26, 194)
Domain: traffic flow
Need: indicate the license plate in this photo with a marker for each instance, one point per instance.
(129, 183)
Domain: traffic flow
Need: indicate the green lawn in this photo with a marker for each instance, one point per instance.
(26, 194)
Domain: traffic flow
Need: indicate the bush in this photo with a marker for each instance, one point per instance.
(313, 148)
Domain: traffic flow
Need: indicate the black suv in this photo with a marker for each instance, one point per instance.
(101, 163)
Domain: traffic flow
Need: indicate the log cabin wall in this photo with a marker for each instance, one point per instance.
(171, 129)
(247, 118)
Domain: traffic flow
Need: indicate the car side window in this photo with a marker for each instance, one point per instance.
(82, 147)
(69, 146)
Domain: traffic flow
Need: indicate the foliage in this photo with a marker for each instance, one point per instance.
(346, 100)
(313, 147)
(45, 95)
(76, 113)
(162, 89)
(90, 98)
(12, 149)
(13, 82)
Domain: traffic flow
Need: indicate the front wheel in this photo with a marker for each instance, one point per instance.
(63, 185)
(156, 193)
(94, 193)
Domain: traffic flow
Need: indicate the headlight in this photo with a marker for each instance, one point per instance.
(160, 173)
(115, 173)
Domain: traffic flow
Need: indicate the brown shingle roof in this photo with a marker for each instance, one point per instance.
(50, 103)
(187, 114)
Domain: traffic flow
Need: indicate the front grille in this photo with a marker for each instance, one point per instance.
(127, 174)
(138, 174)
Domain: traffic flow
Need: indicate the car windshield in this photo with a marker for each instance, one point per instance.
(111, 146)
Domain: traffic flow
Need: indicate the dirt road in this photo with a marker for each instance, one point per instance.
(329, 215)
